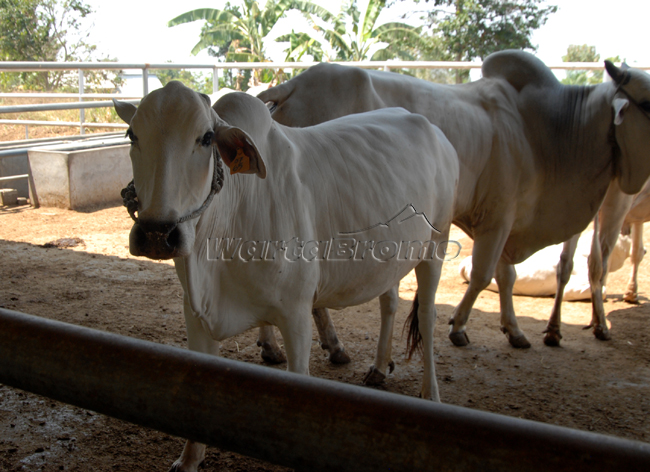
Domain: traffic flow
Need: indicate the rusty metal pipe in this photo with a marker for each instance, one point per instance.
(287, 419)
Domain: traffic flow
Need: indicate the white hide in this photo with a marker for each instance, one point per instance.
(536, 157)
(537, 277)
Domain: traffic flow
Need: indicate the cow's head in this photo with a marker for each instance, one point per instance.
(631, 108)
(174, 136)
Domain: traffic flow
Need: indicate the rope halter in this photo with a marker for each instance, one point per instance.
(131, 202)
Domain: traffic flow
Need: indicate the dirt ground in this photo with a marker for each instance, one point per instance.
(585, 384)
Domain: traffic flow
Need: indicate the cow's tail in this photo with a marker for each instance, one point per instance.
(414, 338)
(276, 95)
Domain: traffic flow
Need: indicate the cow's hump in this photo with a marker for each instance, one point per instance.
(519, 68)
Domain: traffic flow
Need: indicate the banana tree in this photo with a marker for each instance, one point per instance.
(353, 34)
(238, 32)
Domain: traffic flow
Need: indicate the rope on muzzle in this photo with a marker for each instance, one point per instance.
(131, 202)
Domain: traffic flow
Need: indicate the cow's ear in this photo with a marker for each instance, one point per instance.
(239, 152)
(125, 110)
(206, 99)
(619, 105)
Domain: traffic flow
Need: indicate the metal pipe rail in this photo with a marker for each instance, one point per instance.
(287, 419)
(72, 124)
(59, 106)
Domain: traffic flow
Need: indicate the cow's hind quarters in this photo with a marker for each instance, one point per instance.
(458, 338)
(552, 337)
(272, 354)
(339, 357)
(517, 340)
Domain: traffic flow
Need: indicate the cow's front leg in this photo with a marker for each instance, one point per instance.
(506, 276)
(199, 340)
(271, 352)
(328, 338)
(388, 303)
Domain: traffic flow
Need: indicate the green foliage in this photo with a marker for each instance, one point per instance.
(354, 35)
(584, 53)
(236, 33)
(45, 30)
(199, 82)
(471, 29)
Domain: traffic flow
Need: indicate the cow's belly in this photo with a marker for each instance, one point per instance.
(342, 287)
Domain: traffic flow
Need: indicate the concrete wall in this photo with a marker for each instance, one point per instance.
(74, 178)
(15, 165)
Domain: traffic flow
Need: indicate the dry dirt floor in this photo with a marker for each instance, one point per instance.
(585, 384)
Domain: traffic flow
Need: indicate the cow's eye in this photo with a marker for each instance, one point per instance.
(645, 106)
(131, 136)
(206, 140)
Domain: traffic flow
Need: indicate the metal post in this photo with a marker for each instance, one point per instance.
(82, 112)
(215, 80)
(293, 420)
(145, 81)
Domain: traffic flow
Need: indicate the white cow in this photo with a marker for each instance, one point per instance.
(331, 216)
(536, 157)
(638, 214)
(536, 276)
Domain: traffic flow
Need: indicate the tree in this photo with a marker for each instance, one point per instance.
(237, 32)
(44, 30)
(196, 81)
(354, 35)
(584, 53)
(472, 29)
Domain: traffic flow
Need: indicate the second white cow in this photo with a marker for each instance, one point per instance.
(324, 217)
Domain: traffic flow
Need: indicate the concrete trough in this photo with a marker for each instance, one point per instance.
(81, 175)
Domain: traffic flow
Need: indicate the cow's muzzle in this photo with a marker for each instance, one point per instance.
(155, 240)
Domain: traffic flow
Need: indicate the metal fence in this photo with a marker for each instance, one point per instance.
(316, 424)
(215, 68)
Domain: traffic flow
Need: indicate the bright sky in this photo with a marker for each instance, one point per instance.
(136, 30)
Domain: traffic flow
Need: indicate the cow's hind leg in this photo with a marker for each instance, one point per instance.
(632, 292)
(271, 352)
(564, 269)
(595, 262)
(388, 303)
(297, 333)
(424, 317)
(506, 276)
(328, 338)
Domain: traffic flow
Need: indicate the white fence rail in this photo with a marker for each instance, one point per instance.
(216, 68)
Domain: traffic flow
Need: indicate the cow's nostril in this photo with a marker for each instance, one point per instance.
(174, 237)
(155, 240)
(154, 227)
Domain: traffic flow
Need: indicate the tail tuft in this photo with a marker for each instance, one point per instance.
(414, 338)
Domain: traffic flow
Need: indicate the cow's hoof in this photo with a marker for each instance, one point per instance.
(339, 357)
(374, 377)
(631, 297)
(272, 356)
(552, 337)
(520, 341)
(459, 338)
(602, 333)
(178, 467)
